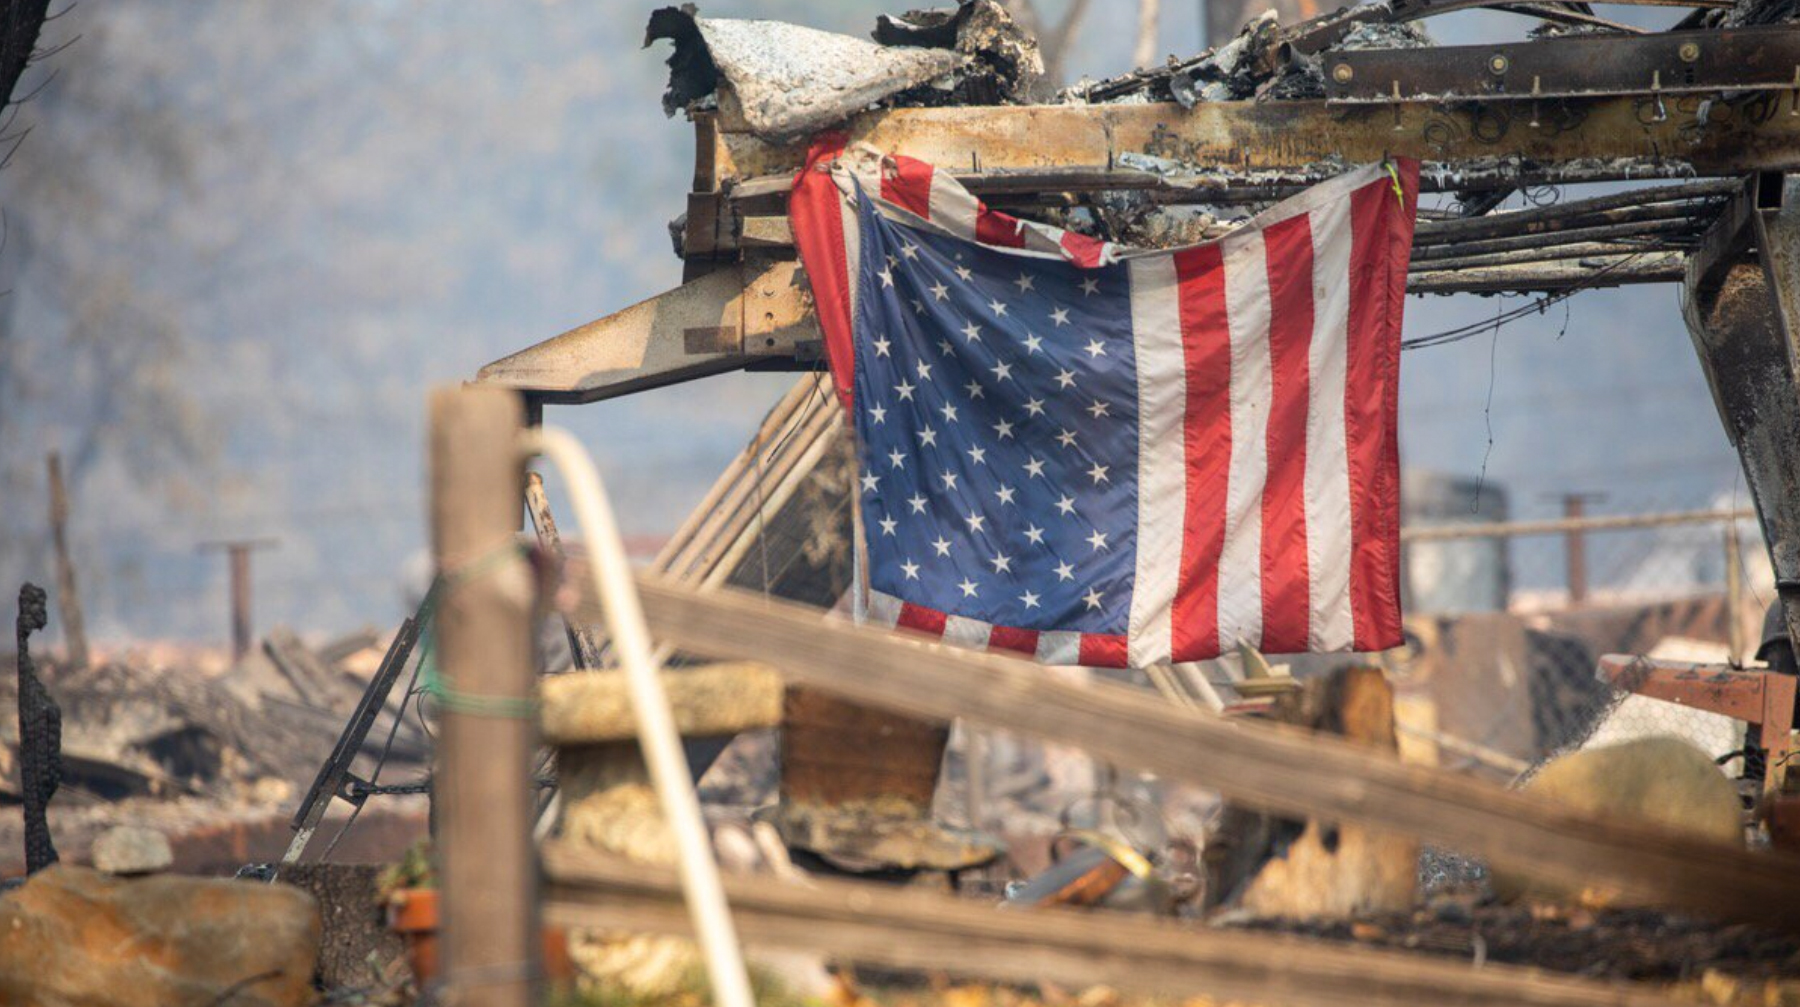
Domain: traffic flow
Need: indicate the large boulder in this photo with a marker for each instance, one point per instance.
(1663, 781)
(73, 937)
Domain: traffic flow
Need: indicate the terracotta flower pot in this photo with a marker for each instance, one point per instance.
(413, 914)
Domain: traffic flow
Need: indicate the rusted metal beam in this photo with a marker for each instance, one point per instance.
(1757, 697)
(723, 321)
(1476, 142)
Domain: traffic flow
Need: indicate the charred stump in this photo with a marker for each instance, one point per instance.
(40, 737)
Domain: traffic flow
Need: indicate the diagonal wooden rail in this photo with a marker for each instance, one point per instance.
(1281, 769)
(925, 930)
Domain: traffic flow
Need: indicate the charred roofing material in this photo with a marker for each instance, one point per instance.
(1003, 67)
(1265, 61)
(785, 80)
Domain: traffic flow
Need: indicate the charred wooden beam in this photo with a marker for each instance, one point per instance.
(721, 322)
(1659, 66)
(1281, 770)
(1465, 143)
(911, 928)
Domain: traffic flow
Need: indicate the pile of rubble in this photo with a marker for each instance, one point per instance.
(205, 750)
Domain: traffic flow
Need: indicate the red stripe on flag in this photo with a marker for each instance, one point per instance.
(1381, 243)
(1206, 436)
(920, 619)
(1286, 598)
(814, 207)
(1022, 641)
(1082, 250)
(1103, 650)
(995, 228)
(908, 185)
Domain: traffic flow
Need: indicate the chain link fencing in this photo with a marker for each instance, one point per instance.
(1507, 622)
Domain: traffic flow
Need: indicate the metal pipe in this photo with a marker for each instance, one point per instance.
(1610, 522)
(1605, 271)
(1645, 204)
(1551, 253)
(1734, 595)
(658, 736)
(1466, 248)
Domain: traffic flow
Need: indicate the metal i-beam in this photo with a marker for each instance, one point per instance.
(1740, 295)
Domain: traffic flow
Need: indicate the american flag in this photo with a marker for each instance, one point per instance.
(1109, 457)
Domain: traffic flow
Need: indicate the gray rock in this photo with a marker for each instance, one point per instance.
(127, 849)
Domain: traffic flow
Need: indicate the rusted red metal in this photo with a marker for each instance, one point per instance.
(1754, 696)
(1782, 815)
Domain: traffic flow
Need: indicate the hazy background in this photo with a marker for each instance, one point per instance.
(244, 238)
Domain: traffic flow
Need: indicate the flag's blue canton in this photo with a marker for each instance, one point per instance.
(996, 407)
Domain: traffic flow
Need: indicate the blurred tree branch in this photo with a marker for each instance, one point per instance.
(1053, 39)
(20, 23)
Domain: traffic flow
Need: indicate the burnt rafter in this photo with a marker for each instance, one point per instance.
(1688, 112)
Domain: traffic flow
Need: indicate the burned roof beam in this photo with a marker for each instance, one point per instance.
(1578, 140)
(1661, 66)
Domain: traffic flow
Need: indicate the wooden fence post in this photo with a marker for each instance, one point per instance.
(483, 785)
(68, 603)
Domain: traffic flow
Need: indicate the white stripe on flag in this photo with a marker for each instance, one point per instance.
(1162, 458)
(1059, 648)
(1252, 387)
(966, 632)
(952, 206)
(1327, 458)
(884, 610)
(852, 223)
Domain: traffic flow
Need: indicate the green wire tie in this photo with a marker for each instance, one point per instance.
(453, 700)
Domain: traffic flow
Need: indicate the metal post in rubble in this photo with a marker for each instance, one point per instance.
(68, 603)
(239, 552)
(1734, 595)
(1575, 544)
(484, 804)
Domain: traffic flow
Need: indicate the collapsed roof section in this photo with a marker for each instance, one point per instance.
(781, 81)
(785, 79)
